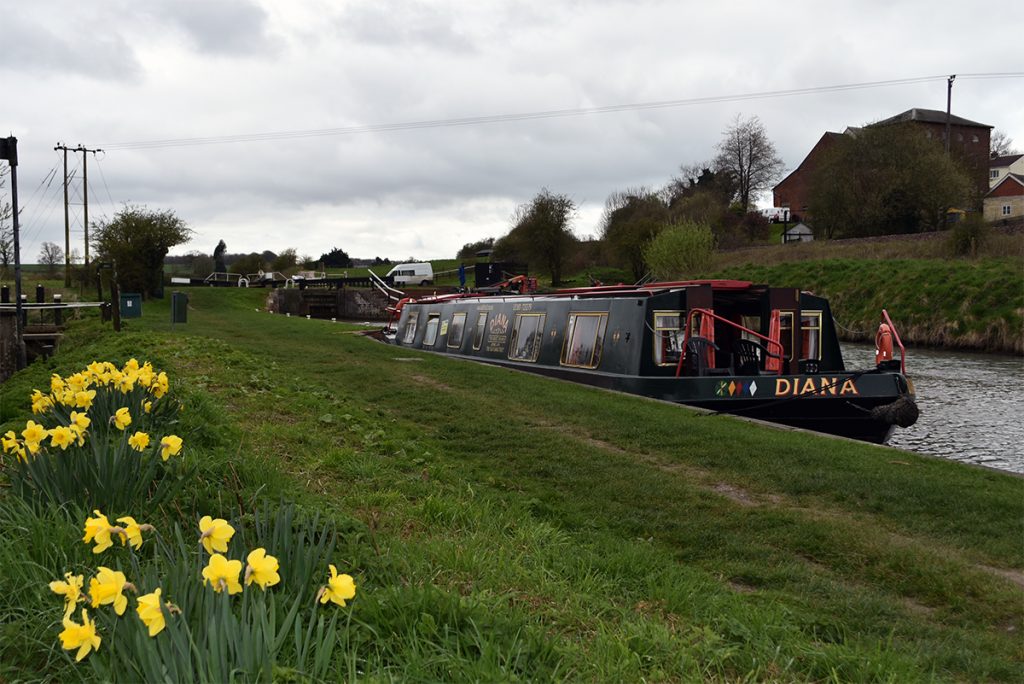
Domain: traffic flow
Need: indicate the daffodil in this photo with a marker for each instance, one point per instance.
(108, 587)
(150, 612)
(56, 384)
(147, 406)
(9, 441)
(160, 385)
(132, 366)
(81, 636)
(339, 588)
(146, 374)
(62, 437)
(40, 402)
(216, 533)
(77, 382)
(261, 569)
(139, 441)
(222, 573)
(122, 418)
(34, 432)
(130, 533)
(84, 399)
(71, 589)
(97, 530)
(170, 446)
(82, 420)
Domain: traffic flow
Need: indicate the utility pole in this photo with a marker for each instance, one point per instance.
(67, 224)
(949, 106)
(85, 196)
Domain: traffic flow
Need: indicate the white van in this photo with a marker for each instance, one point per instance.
(412, 274)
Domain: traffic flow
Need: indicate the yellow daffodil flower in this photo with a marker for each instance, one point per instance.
(82, 420)
(131, 367)
(71, 589)
(34, 432)
(222, 573)
(83, 399)
(108, 587)
(261, 569)
(56, 384)
(131, 533)
(97, 530)
(339, 588)
(139, 441)
(9, 441)
(147, 406)
(122, 418)
(146, 375)
(40, 402)
(160, 386)
(150, 612)
(81, 636)
(216, 533)
(62, 437)
(170, 446)
(77, 382)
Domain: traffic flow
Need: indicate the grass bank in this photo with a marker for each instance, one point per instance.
(969, 304)
(505, 526)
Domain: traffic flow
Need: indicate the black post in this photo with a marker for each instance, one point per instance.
(115, 298)
(58, 311)
(9, 151)
(949, 107)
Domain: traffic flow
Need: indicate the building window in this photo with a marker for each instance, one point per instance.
(410, 327)
(478, 332)
(1006, 210)
(974, 138)
(810, 331)
(668, 337)
(959, 137)
(994, 173)
(526, 337)
(456, 329)
(584, 338)
(430, 336)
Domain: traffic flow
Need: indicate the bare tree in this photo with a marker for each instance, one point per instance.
(51, 255)
(747, 154)
(1001, 145)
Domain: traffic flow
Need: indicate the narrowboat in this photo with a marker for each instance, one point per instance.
(724, 345)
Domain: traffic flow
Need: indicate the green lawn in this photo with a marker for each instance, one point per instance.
(507, 526)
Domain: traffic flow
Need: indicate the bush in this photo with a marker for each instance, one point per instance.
(968, 235)
(682, 249)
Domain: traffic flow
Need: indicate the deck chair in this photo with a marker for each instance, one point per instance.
(747, 356)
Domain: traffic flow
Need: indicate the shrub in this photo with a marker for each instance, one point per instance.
(968, 235)
(682, 249)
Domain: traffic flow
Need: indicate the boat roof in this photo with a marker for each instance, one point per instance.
(620, 290)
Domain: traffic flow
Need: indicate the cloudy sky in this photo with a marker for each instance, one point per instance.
(294, 104)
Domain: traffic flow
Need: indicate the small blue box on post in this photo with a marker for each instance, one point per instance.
(131, 305)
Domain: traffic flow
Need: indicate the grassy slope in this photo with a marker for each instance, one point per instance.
(510, 524)
(969, 304)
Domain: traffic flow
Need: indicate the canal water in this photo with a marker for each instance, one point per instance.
(971, 407)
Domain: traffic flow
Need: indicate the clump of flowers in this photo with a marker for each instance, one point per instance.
(118, 421)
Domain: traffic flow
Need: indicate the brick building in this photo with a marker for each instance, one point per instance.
(969, 140)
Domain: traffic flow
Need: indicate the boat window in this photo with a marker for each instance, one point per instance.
(668, 337)
(526, 337)
(751, 323)
(430, 336)
(810, 330)
(456, 329)
(410, 327)
(786, 334)
(584, 337)
(478, 333)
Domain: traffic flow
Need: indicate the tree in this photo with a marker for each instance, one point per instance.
(542, 233)
(336, 258)
(287, 260)
(885, 180)
(51, 255)
(470, 249)
(1001, 145)
(248, 264)
(219, 264)
(683, 249)
(631, 219)
(136, 241)
(749, 157)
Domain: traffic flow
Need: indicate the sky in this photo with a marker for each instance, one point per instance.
(301, 124)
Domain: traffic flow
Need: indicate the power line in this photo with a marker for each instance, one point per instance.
(531, 116)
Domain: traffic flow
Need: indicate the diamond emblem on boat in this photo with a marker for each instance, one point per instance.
(753, 388)
(732, 388)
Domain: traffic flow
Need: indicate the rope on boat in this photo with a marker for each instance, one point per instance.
(853, 332)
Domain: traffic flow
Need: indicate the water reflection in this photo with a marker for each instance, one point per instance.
(970, 405)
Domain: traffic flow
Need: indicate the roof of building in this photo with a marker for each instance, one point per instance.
(799, 228)
(929, 116)
(999, 162)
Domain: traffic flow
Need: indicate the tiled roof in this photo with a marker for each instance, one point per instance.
(1000, 162)
(929, 116)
